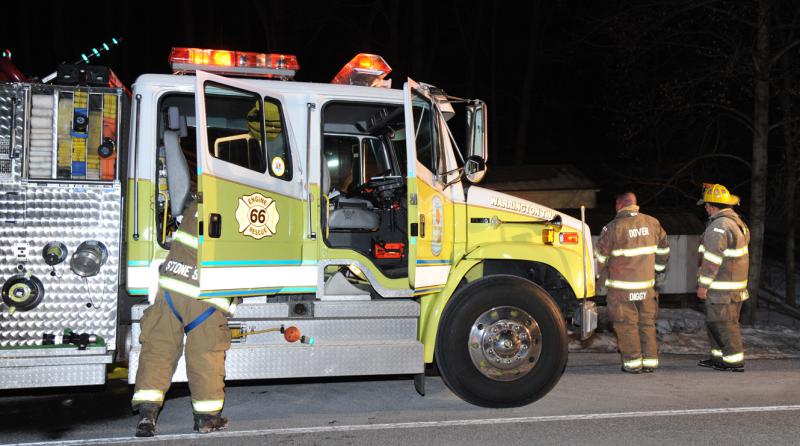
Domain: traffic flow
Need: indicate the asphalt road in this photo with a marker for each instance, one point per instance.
(594, 403)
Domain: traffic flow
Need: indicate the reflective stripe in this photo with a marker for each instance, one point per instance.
(662, 251)
(713, 258)
(734, 358)
(148, 395)
(602, 258)
(623, 285)
(728, 285)
(185, 239)
(206, 406)
(741, 252)
(223, 303)
(705, 280)
(660, 268)
(633, 252)
(179, 287)
(633, 363)
(716, 353)
(650, 362)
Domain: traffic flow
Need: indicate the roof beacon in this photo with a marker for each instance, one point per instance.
(235, 63)
(368, 70)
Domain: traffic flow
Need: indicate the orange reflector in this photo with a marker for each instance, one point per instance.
(367, 70)
(568, 237)
(292, 334)
(242, 63)
(548, 236)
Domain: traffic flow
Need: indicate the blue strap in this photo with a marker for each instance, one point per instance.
(172, 307)
(191, 325)
(200, 319)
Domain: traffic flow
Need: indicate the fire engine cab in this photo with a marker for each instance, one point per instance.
(346, 210)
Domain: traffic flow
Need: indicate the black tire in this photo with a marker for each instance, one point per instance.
(455, 362)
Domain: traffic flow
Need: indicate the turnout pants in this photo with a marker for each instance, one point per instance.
(635, 325)
(162, 344)
(722, 323)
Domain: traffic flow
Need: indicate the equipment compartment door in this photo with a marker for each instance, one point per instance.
(250, 211)
(430, 206)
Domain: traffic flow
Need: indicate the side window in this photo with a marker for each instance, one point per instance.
(341, 161)
(375, 162)
(279, 155)
(231, 137)
(427, 137)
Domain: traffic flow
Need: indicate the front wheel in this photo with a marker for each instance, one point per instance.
(501, 342)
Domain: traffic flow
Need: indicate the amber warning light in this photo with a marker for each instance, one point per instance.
(367, 70)
(236, 63)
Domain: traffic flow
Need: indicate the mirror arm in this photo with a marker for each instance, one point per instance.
(444, 175)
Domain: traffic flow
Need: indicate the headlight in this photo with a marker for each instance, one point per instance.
(88, 258)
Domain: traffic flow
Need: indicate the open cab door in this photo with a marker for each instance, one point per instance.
(250, 212)
(430, 203)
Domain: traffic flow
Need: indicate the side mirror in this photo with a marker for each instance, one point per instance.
(477, 147)
(474, 169)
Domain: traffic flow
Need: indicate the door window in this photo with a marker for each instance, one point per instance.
(245, 131)
(427, 135)
(232, 136)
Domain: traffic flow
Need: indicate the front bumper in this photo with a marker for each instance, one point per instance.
(585, 317)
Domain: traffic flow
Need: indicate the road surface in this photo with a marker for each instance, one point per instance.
(594, 403)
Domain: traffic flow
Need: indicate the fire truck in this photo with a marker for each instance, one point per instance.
(347, 211)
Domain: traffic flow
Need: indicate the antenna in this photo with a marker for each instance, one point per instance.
(86, 56)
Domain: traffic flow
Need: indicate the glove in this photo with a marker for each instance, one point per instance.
(661, 280)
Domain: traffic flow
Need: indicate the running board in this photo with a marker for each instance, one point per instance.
(351, 338)
(22, 368)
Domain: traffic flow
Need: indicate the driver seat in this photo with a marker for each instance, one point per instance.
(350, 214)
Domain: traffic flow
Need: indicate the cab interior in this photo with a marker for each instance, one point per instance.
(363, 171)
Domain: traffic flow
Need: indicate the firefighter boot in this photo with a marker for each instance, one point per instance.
(148, 413)
(205, 423)
(726, 367)
(710, 362)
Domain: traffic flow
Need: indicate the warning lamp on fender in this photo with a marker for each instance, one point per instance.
(568, 238)
(548, 236)
(368, 70)
(236, 63)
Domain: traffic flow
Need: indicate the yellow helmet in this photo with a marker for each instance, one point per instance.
(717, 194)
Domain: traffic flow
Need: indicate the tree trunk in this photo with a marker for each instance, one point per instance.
(758, 185)
(790, 296)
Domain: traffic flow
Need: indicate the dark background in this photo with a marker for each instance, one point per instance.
(656, 96)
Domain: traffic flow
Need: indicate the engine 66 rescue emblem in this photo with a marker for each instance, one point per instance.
(257, 216)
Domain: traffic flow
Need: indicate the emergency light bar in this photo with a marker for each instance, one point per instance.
(237, 63)
(365, 69)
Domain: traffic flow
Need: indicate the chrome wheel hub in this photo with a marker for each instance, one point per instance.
(505, 343)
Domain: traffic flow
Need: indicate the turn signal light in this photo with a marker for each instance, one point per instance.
(368, 70)
(241, 63)
(548, 236)
(568, 237)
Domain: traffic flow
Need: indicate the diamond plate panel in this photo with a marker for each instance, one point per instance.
(331, 309)
(299, 361)
(52, 376)
(69, 213)
(373, 308)
(326, 331)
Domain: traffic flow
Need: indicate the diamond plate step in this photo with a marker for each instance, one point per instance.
(262, 361)
(53, 367)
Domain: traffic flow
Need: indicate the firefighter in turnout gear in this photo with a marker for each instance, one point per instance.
(632, 255)
(178, 310)
(722, 279)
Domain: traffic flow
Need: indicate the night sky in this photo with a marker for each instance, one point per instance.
(607, 87)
